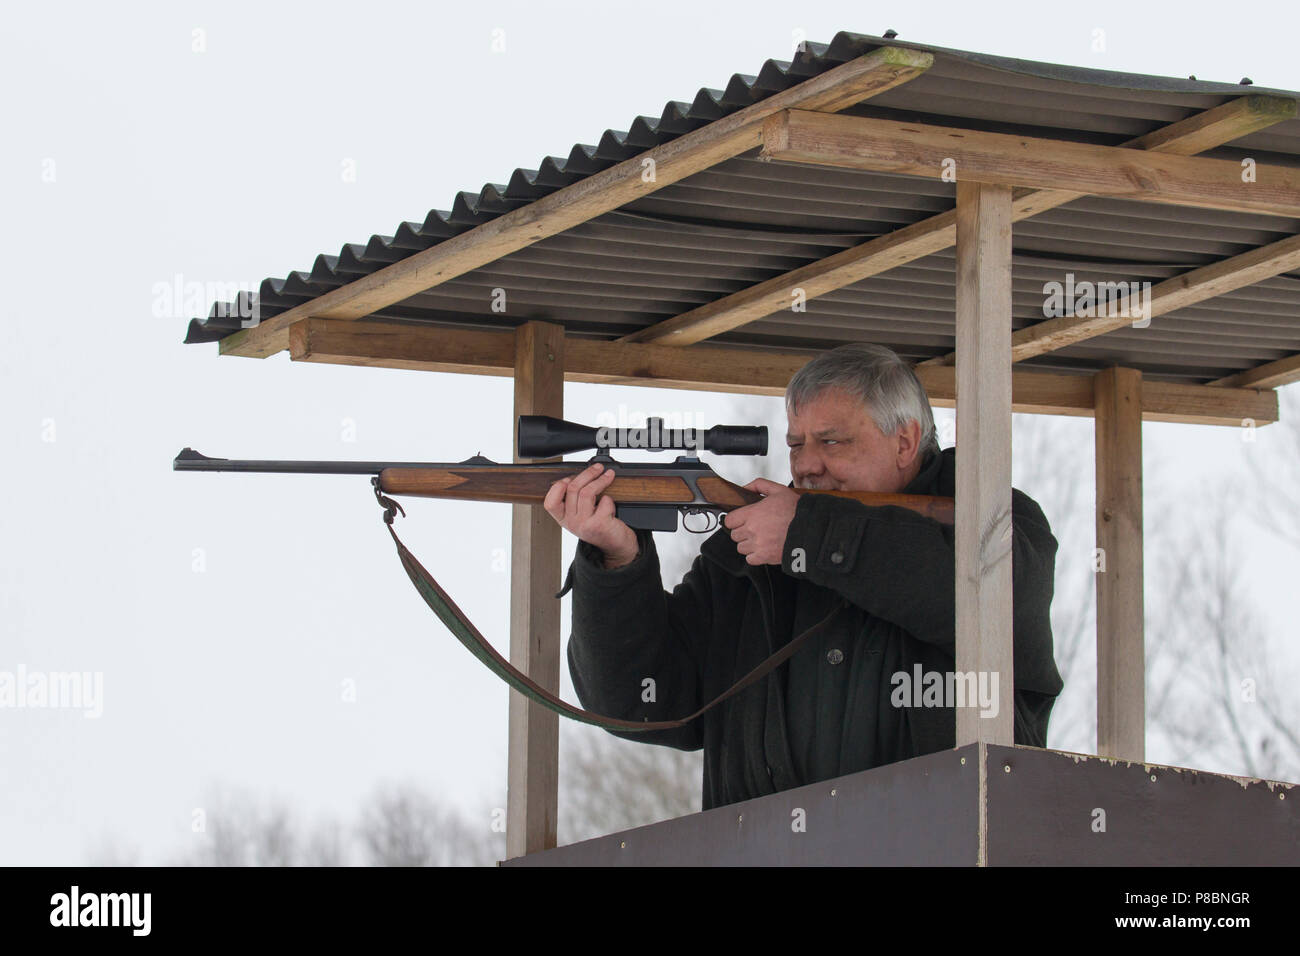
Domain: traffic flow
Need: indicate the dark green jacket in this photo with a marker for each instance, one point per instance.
(827, 711)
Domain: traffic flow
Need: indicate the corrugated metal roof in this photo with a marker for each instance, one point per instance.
(744, 221)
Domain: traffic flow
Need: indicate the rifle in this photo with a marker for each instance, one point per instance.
(646, 496)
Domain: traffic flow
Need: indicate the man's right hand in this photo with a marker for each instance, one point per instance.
(580, 506)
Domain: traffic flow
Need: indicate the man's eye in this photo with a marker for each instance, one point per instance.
(830, 441)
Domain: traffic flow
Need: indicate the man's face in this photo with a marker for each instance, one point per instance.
(835, 446)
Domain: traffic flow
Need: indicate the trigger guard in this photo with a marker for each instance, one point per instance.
(712, 521)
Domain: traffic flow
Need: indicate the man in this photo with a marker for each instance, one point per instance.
(859, 420)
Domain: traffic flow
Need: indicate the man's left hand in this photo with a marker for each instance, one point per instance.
(759, 529)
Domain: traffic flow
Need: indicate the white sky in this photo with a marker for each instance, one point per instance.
(224, 166)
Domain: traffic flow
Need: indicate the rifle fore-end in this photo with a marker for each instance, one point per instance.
(527, 484)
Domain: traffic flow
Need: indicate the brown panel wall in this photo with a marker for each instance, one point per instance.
(1042, 813)
(918, 812)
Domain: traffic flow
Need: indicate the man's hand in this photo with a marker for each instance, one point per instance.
(579, 505)
(759, 529)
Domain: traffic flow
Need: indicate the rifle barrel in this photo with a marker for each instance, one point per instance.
(191, 460)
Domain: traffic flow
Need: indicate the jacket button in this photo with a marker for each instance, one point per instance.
(834, 655)
(837, 558)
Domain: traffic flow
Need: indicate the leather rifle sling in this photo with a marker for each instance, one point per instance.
(464, 631)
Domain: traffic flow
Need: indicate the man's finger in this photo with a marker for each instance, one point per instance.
(585, 477)
(552, 497)
(594, 488)
(572, 502)
(737, 518)
(554, 500)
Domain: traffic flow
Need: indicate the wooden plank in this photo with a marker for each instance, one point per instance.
(916, 149)
(1121, 660)
(1214, 127)
(594, 195)
(983, 525)
(1284, 371)
(817, 278)
(1196, 134)
(532, 796)
(1195, 405)
(734, 370)
(394, 345)
(1179, 292)
(1203, 131)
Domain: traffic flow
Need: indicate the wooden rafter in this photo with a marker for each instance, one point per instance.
(745, 371)
(917, 149)
(1284, 371)
(592, 196)
(1176, 293)
(1206, 130)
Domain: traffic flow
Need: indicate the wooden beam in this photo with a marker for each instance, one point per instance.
(1222, 124)
(1179, 292)
(1195, 405)
(983, 524)
(817, 278)
(431, 348)
(916, 149)
(1270, 375)
(592, 196)
(1121, 660)
(1203, 131)
(532, 795)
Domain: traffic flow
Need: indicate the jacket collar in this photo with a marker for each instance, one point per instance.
(927, 479)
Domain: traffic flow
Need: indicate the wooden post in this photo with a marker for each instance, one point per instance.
(532, 795)
(983, 524)
(1121, 662)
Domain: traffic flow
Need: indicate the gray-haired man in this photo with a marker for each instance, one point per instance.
(859, 420)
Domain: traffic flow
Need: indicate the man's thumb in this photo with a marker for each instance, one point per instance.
(764, 487)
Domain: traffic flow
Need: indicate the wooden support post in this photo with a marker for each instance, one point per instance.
(1121, 663)
(983, 524)
(532, 796)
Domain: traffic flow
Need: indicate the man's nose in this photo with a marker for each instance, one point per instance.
(806, 463)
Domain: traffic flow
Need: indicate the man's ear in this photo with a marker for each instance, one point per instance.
(909, 444)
